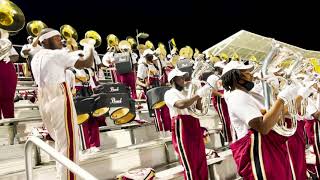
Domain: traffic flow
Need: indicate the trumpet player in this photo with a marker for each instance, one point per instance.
(8, 80)
(259, 152)
(55, 99)
(187, 135)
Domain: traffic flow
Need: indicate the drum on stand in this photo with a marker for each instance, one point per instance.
(122, 108)
(155, 96)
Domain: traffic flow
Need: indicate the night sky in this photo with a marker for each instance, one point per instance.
(199, 24)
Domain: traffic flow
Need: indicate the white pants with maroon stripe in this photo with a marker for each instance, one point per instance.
(59, 116)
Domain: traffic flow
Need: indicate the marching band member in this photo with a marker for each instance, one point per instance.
(81, 82)
(187, 135)
(125, 78)
(312, 131)
(55, 99)
(219, 102)
(30, 49)
(8, 80)
(148, 77)
(259, 152)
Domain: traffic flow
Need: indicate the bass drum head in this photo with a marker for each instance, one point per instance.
(127, 118)
(119, 113)
(158, 105)
(82, 118)
(100, 112)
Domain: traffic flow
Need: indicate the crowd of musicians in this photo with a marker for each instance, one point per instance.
(67, 75)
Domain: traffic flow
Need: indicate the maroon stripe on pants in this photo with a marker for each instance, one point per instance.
(90, 133)
(163, 118)
(187, 140)
(221, 107)
(8, 84)
(69, 129)
(296, 144)
(275, 162)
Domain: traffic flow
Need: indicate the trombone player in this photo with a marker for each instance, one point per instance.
(55, 99)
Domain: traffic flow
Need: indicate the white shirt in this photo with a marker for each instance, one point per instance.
(242, 109)
(144, 70)
(49, 66)
(171, 97)
(311, 109)
(80, 73)
(32, 52)
(11, 53)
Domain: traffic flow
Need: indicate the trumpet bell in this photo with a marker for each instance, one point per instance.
(11, 17)
(68, 31)
(112, 40)
(94, 35)
(34, 27)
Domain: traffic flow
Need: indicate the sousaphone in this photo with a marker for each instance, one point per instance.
(11, 17)
(91, 35)
(68, 31)
(34, 27)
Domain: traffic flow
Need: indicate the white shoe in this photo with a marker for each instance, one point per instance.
(85, 152)
(94, 149)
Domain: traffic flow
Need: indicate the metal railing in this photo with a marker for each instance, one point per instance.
(76, 169)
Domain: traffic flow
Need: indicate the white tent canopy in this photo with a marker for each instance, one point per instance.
(245, 44)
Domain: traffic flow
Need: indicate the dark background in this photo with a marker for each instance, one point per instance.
(199, 24)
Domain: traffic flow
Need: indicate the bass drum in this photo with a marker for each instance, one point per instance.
(155, 97)
(84, 107)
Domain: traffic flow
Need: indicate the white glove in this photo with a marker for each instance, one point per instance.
(212, 81)
(204, 91)
(289, 93)
(305, 92)
(196, 82)
(274, 82)
(87, 50)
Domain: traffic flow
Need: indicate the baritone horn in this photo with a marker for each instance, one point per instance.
(34, 27)
(91, 35)
(68, 31)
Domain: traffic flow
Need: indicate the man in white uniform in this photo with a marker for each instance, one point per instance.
(55, 99)
(187, 135)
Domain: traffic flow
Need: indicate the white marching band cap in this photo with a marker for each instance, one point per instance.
(175, 73)
(220, 64)
(147, 51)
(236, 65)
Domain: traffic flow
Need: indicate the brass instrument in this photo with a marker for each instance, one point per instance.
(287, 63)
(190, 52)
(149, 45)
(11, 17)
(124, 46)
(112, 40)
(12, 20)
(34, 27)
(5, 46)
(191, 89)
(68, 31)
(132, 41)
(91, 35)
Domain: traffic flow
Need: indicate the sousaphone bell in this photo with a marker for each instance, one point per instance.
(12, 18)
(34, 27)
(68, 31)
(91, 35)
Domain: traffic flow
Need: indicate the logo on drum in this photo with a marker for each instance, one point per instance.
(115, 101)
(114, 89)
